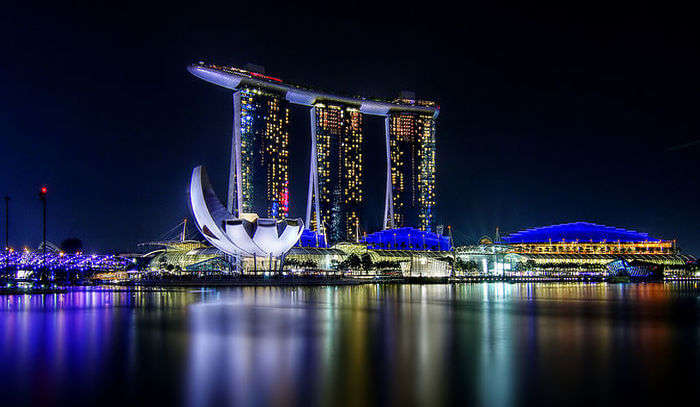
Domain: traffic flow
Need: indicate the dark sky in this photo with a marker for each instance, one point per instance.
(548, 115)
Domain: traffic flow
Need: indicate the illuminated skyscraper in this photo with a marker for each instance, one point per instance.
(264, 143)
(412, 152)
(338, 132)
(259, 180)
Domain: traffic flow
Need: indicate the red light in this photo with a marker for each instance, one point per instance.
(265, 76)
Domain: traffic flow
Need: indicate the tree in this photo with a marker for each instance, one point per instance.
(387, 264)
(530, 265)
(72, 245)
(367, 262)
(292, 263)
(469, 266)
(352, 262)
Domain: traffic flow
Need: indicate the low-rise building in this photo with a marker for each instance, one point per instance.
(571, 248)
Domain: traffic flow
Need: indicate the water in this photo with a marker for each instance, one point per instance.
(467, 344)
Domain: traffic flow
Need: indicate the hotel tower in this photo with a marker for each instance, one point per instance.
(340, 163)
(259, 176)
(264, 151)
(412, 158)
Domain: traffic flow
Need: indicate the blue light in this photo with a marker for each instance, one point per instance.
(312, 239)
(407, 239)
(623, 268)
(26, 260)
(577, 231)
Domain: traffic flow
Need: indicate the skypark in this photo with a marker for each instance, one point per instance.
(233, 78)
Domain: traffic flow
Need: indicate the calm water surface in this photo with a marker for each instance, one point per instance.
(469, 344)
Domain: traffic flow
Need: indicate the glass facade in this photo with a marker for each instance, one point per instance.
(340, 163)
(412, 150)
(264, 152)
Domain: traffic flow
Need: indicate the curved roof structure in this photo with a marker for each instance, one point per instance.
(310, 238)
(577, 231)
(238, 236)
(233, 78)
(407, 238)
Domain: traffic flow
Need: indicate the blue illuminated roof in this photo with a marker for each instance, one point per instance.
(311, 238)
(577, 231)
(407, 238)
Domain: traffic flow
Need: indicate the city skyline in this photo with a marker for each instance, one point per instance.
(261, 204)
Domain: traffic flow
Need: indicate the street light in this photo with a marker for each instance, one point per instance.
(42, 196)
(7, 231)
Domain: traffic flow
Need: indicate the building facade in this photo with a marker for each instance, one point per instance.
(340, 163)
(264, 133)
(412, 152)
(579, 248)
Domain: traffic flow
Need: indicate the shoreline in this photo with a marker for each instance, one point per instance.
(9, 287)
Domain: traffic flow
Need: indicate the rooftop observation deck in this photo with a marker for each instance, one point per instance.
(235, 78)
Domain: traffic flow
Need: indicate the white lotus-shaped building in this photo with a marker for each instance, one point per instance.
(245, 236)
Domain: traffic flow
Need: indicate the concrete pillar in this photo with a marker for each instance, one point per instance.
(313, 194)
(388, 196)
(235, 183)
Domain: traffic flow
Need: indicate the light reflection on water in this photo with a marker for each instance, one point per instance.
(478, 344)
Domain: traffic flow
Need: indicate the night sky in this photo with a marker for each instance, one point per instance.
(548, 115)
